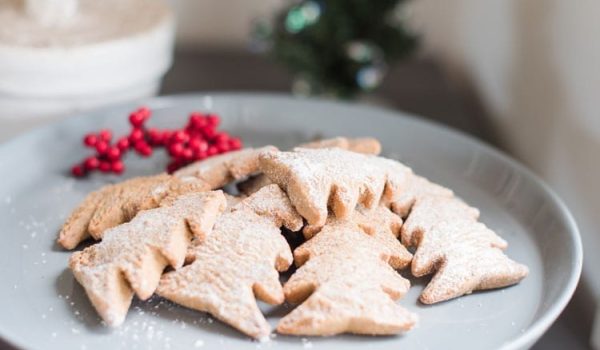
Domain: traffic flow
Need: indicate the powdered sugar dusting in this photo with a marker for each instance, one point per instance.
(306, 343)
(220, 170)
(351, 274)
(157, 237)
(447, 234)
(243, 252)
(316, 179)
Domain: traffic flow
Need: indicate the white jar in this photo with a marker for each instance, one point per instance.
(101, 52)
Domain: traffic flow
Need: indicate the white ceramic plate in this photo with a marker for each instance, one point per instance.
(42, 307)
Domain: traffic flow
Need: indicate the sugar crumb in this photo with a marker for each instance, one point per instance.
(306, 343)
(264, 339)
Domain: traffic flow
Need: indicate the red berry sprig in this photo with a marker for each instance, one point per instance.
(197, 140)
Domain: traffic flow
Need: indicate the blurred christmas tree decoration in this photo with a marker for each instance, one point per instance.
(336, 48)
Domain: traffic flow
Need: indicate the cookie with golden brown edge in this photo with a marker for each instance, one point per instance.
(75, 228)
(346, 283)
(218, 171)
(416, 187)
(463, 254)
(131, 257)
(115, 204)
(238, 263)
(365, 145)
(318, 179)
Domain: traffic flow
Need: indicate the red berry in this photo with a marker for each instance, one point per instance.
(175, 150)
(91, 163)
(78, 171)
(198, 140)
(90, 140)
(172, 166)
(105, 135)
(145, 112)
(136, 119)
(155, 137)
(142, 148)
(101, 147)
(221, 137)
(235, 144)
(209, 132)
(194, 134)
(212, 150)
(136, 135)
(117, 167)
(199, 155)
(187, 154)
(222, 146)
(197, 121)
(113, 153)
(105, 166)
(123, 144)
(198, 144)
(146, 151)
(180, 136)
(213, 120)
(139, 117)
(166, 136)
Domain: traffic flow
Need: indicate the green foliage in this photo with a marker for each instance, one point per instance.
(338, 47)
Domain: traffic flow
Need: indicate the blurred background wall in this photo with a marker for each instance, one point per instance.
(219, 24)
(533, 66)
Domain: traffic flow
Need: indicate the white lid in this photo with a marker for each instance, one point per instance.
(95, 47)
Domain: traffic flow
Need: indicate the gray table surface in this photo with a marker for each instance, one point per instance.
(415, 86)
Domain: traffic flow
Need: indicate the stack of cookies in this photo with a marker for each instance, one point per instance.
(180, 236)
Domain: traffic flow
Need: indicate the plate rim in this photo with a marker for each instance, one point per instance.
(532, 333)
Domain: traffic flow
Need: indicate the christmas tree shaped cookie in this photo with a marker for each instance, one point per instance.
(463, 253)
(365, 145)
(238, 262)
(115, 204)
(381, 224)
(345, 283)
(132, 256)
(318, 179)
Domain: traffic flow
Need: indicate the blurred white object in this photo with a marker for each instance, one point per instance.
(51, 12)
(80, 54)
